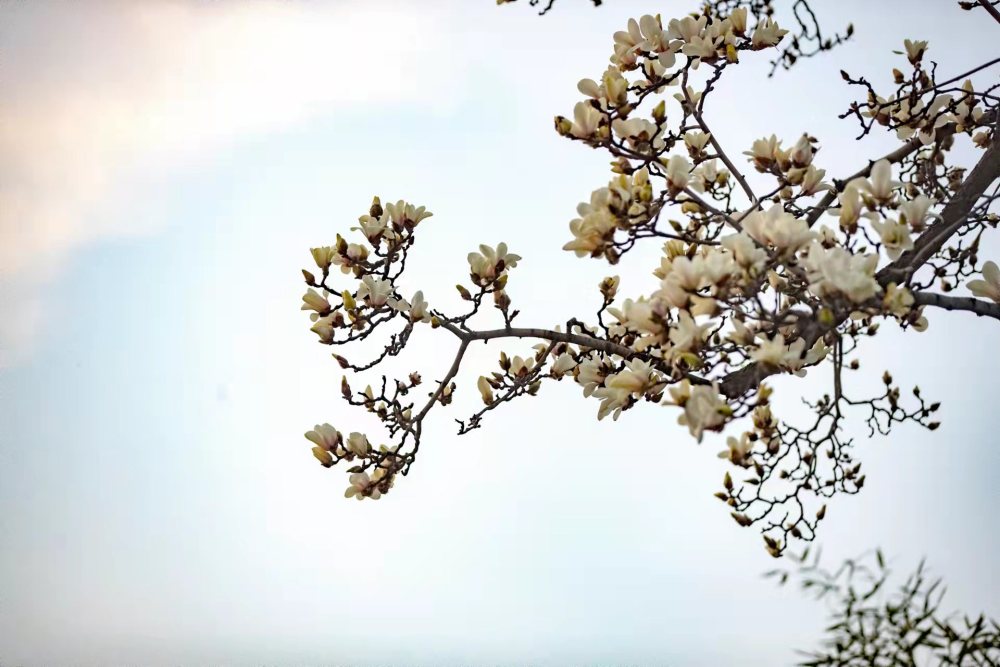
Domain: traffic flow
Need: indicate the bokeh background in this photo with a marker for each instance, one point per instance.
(165, 166)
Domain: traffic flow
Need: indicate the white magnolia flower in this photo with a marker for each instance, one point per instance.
(520, 367)
(879, 185)
(655, 39)
(778, 228)
(767, 33)
(834, 271)
(613, 89)
(591, 374)
(485, 390)
(696, 142)
(702, 46)
(801, 153)
(687, 335)
(914, 212)
(362, 486)
(325, 437)
(990, 287)
(686, 28)
(636, 130)
(704, 410)
(324, 328)
(418, 310)
(774, 352)
(738, 20)
(586, 120)
(849, 210)
(764, 151)
(402, 213)
(374, 291)
(594, 227)
(563, 364)
(748, 255)
(627, 45)
(323, 256)
(894, 236)
(313, 300)
(738, 450)
(915, 50)
(812, 180)
(678, 171)
(488, 263)
(358, 444)
(897, 300)
(619, 389)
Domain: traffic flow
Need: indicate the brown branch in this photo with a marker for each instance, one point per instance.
(582, 340)
(978, 306)
(988, 6)
(953, 217)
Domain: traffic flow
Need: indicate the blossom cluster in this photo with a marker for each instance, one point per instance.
(768, 267)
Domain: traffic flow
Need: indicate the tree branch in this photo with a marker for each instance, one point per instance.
(582, 340)
(978, 306)
(952, 218)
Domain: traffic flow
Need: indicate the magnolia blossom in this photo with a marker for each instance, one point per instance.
(363, 486)
(897, 300)
(879, 185)
(738, 450)
(621, 388)
(778, 228)
(325, 328)
(591, 373)
(801, 153)
(687, 335)
(895, 237)
(850, 207)
(374, 291)
(313, 300)
(835, 271)
(774, 352)
(767, 33)
(704, 409)
(915, 50)
(747, 254)
(324, 436)
(418, 309)
(764, 151)
(687, 28)
(594, 227)
(989, 288)
(401, 213)
(811, 180)
(357, 443)
(373, 228)
(586, 120)
(563, 364)
(678, 170)
(485, 390)
(612, 90)
(696, 142)
(913, 212)
(519, 367)
(637, 131)
(323, 256)
(488, 264)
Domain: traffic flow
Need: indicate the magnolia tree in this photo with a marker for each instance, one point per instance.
(770, 266)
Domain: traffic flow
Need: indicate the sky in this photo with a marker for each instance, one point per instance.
(166, 165)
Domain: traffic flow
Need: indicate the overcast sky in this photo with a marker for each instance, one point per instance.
(165, 166)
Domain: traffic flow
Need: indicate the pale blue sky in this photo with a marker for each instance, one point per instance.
(166, 165)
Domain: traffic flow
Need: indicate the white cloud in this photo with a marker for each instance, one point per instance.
(91, 92)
